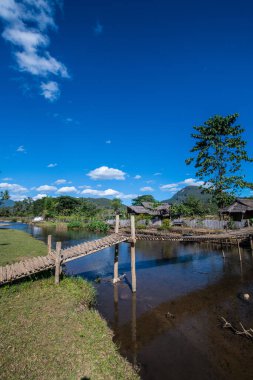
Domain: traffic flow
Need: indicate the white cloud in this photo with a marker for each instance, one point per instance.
(127, 196)
(174, 187)
(137, 176)
(60, 181)
(169, 186)
(21, 149)
(39, 196)
(108, 193)
(26, 27)
(17, 197)
(7, 179)
(192, 182)
(52, 165)
(46, 188)
(50, 90)
(106, 173)
(146, 188)
(67, 189)
(101, 193)
(156, 174)
(13, 187)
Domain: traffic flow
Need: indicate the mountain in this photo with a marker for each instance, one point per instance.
(7, 203)
(189, 191)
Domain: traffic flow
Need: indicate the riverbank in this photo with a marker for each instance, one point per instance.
(50, 332)
(18, 245)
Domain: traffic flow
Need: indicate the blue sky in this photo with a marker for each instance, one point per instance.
(99, 98)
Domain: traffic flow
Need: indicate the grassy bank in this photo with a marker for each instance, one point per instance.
(49, 332)
(17, 245)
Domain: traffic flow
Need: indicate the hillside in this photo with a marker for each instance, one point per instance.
(7, 203)
(193, 191)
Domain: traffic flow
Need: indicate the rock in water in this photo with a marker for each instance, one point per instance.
(246, 296)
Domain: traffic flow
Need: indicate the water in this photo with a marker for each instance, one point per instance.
(170, 329)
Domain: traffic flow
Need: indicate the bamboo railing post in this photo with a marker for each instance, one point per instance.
(116, 264)
(58, 263)
(133, 240)
(117, 224)
(49, 244)
(239, 250)
(251, 242)
(116, 254)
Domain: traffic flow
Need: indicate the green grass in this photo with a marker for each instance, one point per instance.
(49, 332)
(17, 245)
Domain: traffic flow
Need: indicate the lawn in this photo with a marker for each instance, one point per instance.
(17, 245)
(50, 332)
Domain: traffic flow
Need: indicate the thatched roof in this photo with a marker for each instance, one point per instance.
(149, 209)
(240, 205)
(140, 210)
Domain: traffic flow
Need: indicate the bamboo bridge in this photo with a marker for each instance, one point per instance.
(56, 258)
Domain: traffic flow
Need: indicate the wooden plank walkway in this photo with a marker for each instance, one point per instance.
(25, 268)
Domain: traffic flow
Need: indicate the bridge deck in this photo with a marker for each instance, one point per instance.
(25, 268)
(38, 264)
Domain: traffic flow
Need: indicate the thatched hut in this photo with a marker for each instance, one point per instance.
(148, 208)
(241, 208)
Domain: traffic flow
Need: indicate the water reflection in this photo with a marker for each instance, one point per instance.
(194, 282)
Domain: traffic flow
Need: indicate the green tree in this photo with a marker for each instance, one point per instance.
(218, 155)
(4, 196)
(143, 198)
(116, 205)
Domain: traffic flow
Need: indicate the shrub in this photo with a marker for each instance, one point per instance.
(166, 224)
(97, 226)
(231, 224)
(75, 224)
(141, 226)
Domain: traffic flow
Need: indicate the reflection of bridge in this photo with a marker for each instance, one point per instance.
(55, 259)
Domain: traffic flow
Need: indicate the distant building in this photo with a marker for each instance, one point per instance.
(38, 219)
(148, 208)
(241, 208)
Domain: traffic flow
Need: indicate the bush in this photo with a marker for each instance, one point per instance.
(141, 226)
(231, 225)
(166, 224)
(97, 226)
(75, 224)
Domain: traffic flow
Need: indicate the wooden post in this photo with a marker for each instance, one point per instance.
(133, 271)
(116, 254)
(239, 250)
(134, 329)
(251, 242)
(132, 227)
(58, 263)
(133, 267)
(49, 244)
(116, 264)
(117, 224)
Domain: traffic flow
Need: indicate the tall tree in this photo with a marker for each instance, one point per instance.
(117, 205)
(218, 155)
(143, 198)
(4, 196)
